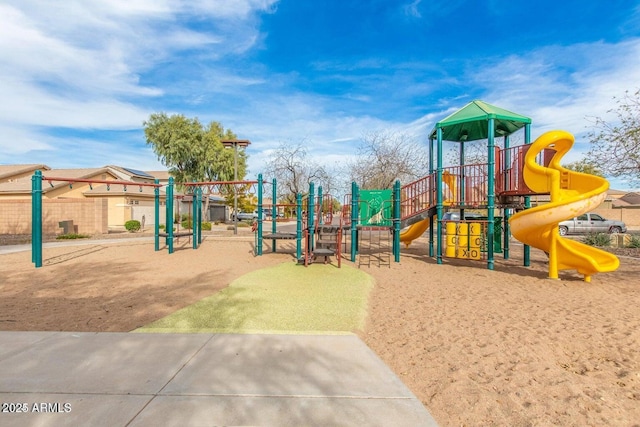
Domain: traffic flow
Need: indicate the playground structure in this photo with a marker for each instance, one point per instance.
(572, 194)
(316, 235)
(504, 183)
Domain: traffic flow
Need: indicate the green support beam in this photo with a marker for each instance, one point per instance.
(274, 212)
(310, 218)
(170, 215)
(439, 200)
(354, 221)
(36, 218)
(491, 193)
(156, 215)
(396, 221)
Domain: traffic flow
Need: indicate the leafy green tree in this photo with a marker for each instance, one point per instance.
(192, 152)
(585, 166)
(615, 147)
(218, 162)
(247, 200)
(176, 140)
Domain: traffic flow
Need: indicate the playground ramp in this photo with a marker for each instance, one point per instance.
(572, 194)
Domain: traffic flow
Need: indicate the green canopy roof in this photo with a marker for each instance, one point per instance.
(472, 123)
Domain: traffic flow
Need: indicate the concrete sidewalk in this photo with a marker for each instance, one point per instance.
(132, 379)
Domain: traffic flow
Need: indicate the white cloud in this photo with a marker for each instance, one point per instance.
(532, 84)
(411, 9)
(78, 63)
(46, 109)
(16, 140)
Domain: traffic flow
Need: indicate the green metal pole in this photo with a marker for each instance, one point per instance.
(354, 220)
(491, 184)
(310, 218)
(200, 215)
(260, 225)
(194, 216)
(461, 190)
(431, 201)
(170, 215)
(320, 205)
(274, 208)
(506, 163)
(527, 199)
(36, 218)
(439, 197)
(167, 214)
(396, 221)
(274, 213)
(298, 226)
(156, 215)
(33, 216)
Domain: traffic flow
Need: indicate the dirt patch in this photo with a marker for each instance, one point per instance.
(478, 347)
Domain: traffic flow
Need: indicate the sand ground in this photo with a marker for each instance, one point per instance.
(506, 347)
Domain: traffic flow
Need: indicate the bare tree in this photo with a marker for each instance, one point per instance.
(474, 152)
(384, 157)
(293, 170)
(615, 147)
(585, 166)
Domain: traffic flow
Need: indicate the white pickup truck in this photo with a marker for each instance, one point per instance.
(591, 223)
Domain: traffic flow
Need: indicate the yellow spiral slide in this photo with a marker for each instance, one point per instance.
(572, 194)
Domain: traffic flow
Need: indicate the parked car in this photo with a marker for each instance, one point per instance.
(591, 223)
(248, 216)
(455, 216)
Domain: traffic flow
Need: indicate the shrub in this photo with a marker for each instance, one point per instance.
(161, 226)
(597, 239)
(132, 225)
(206, 226)
(634, 242)
(186, 224)
(72, 236)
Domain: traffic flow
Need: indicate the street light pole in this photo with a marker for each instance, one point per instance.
(234, 144)
(235, 188)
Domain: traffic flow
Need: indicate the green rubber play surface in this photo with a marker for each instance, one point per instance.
(285, 298)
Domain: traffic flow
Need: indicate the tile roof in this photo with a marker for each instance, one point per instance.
(161, 175)
(631, 198)
(9, 170)
(612, 192)
(23, 185)
(75, 173)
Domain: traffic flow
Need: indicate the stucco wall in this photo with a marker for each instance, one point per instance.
(90, 215)
(630, 216)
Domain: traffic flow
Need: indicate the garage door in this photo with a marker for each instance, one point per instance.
(138, 211)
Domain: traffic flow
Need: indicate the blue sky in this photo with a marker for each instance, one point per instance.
(79, 77)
